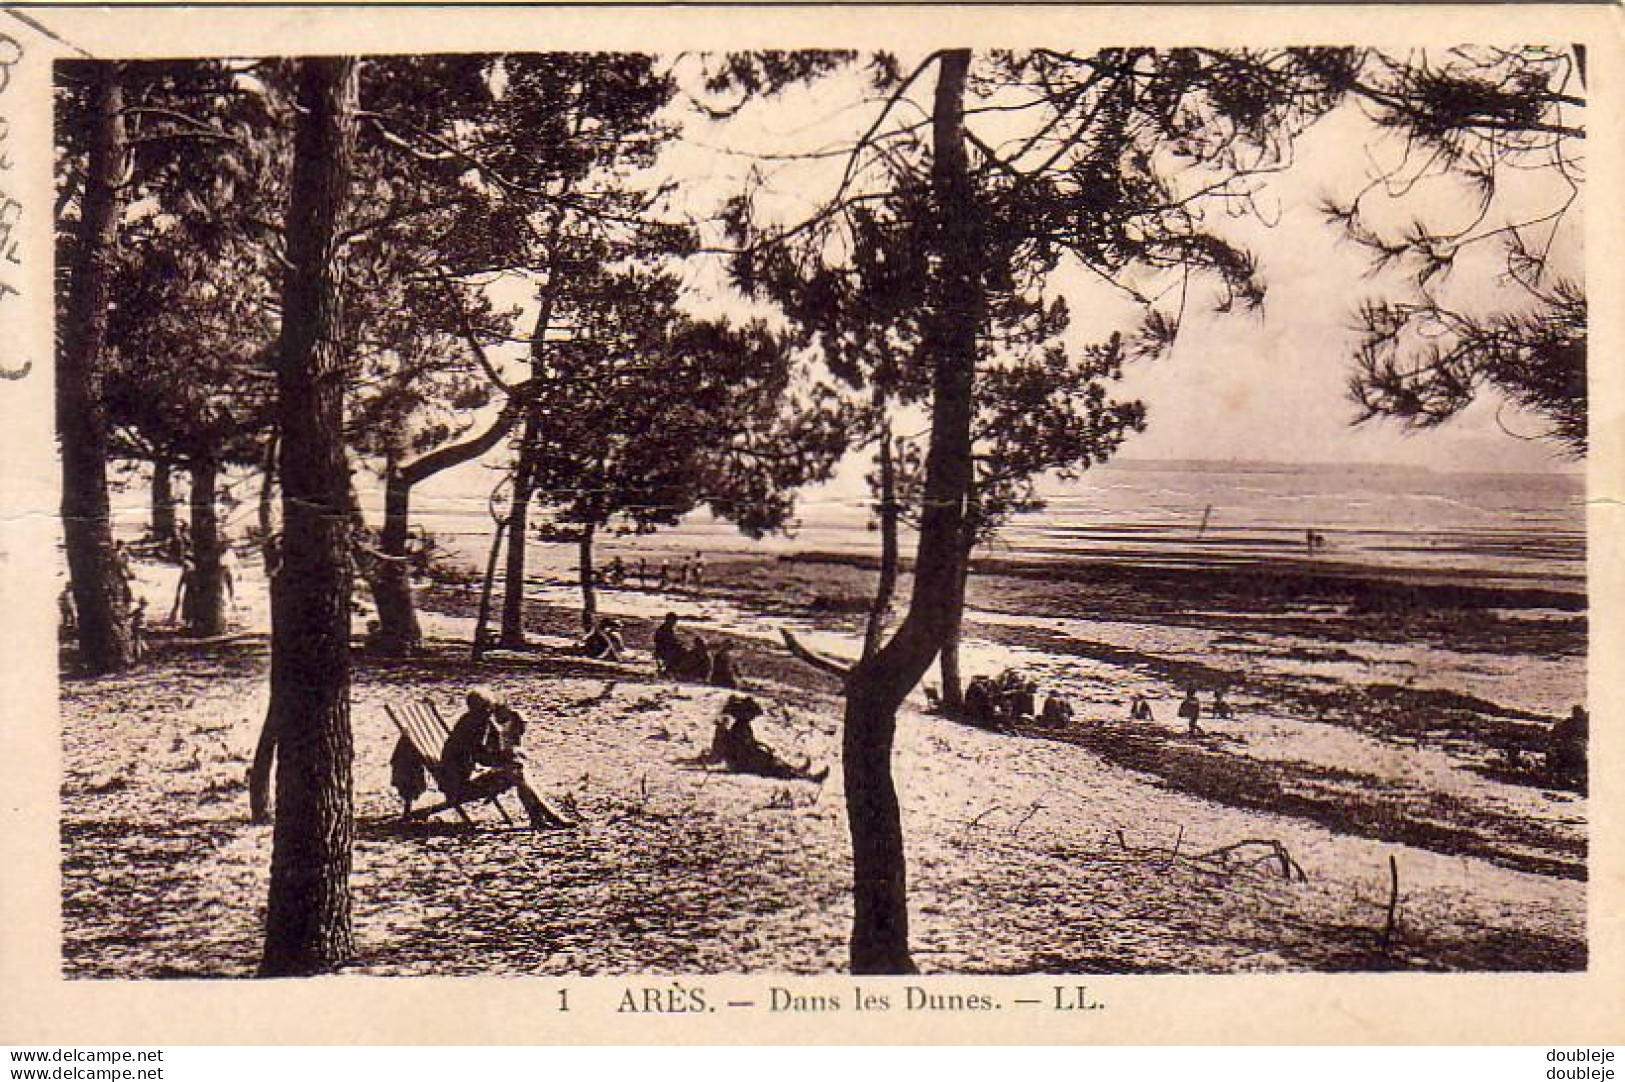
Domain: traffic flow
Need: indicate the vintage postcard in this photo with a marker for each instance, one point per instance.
(810, 524)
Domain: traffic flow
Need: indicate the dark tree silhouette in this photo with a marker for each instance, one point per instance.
(81, 415)
(652, 414)
(308, 920)
(1126, 149)
(1483, 120)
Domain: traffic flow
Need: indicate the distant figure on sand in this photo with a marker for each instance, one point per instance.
(123, 574)
(1191, 710)
(488, 734)
(1314, 541)
(183, 586)
(604, 642)
(1567, 756)
(668, 648)
(723, 672)
(1057, 712)
(138, 630)
(734, 743)
(1139, 709)
(228, 574)
(1221, 708)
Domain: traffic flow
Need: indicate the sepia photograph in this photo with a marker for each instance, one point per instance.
(974, 511)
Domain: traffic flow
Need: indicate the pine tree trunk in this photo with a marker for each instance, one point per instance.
(589, 584)
(259, 773)
(482, 622)
(267, 523)
(953, 687)
(308, 918)
(105, 643)
(524, 480)
(163, 505)
(205, 610)
(398, 628)
(512, 635)
(886, 587)
(878, 684)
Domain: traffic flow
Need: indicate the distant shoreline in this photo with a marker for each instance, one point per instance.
(1290, 580)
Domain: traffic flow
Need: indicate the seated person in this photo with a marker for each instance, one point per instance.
(694, 664)
(735, 744)
(488, 735)
(1567, 747)
(1139, 709)
(668, 648)
(1057, 712)
(723, 672)
(982, 701)
(1018, 699)
(1221, 708)
(604, 641)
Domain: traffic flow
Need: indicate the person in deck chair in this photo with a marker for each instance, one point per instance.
(488, 735)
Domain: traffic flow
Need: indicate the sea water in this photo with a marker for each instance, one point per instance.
(1516, 528)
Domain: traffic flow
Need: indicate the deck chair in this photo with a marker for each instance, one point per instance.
(421, 725)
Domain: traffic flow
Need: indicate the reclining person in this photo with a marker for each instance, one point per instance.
(735, 744)
(604, 642)
(488, 735)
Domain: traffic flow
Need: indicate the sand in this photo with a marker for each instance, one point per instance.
(1358, 737)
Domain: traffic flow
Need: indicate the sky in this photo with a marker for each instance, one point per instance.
(1264, 386)
(1246, 386)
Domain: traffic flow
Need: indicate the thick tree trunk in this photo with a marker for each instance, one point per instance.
(205, 610)
(308, 918)
(398, 624)
(398, 628)
(105, 643)
(878, 684)
(163, 505)
(512, 634)
(589, 583)
(886, 587)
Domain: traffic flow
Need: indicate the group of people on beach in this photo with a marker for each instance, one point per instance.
(482, 759)
(1190, 708)
(695, 661)
(1010, 699)
(688, 573)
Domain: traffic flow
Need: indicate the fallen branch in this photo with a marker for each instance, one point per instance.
(838, 669)
(1290, 868)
